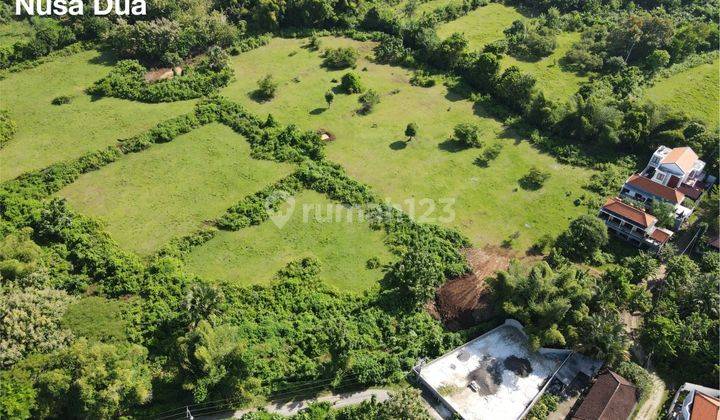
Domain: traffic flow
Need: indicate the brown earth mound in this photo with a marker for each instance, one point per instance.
(465, 301)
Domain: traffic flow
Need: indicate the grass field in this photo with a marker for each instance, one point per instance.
(551, 78)
(49, 133)
(483, 25)
(694, 91)
(96, 318)
(489, 205)
(255, 254)
(14, 31)
(169, 190)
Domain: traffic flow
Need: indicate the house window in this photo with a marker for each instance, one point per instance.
(660, 176)
(655, 160)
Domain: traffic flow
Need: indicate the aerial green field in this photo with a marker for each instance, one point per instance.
(169, 190)
(96, 318)
(49, 133)
(551, 78)
(483, 25)
(490, 205)
(694, 91)
(14, 31)
(253, 255)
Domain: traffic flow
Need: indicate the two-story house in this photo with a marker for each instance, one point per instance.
(634, 225)
(671, 176)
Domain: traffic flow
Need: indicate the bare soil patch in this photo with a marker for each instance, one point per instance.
(465, 301)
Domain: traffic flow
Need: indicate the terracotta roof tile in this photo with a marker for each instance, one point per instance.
(660, 235)
(683, 157)
(611, 397)
(670, 194)
(615, 205)
(705, 407)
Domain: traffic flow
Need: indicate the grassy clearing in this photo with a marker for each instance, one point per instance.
(489, 206)
(694, 91)
(551, 78)
(255, 254)
(49, 133)
(169, 190)
(483, 25)
(14, 31)
(96, 318)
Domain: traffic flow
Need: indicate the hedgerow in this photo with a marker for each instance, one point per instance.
(127, 81)
(7, 128)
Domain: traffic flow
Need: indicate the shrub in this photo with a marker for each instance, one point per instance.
(534, 179)
(267, 86)
(61, 100)
(468, 135)
(368, 100)
(350, 83)
(314, 43)
(340, 58)
(7, 128)
(489, 154)
(422, 78)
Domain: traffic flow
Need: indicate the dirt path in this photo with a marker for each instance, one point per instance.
(652, 405)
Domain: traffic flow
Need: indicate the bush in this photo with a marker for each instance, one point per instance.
(340, 58)
(422, 78)
(61, 100)
(267, 86)
(350, 83)
(127, 81)
(368, 100)
(7, 128)
(488, 155)
(534, 179)
(468, 135)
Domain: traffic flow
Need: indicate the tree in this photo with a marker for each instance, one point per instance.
(329, 98)
(603, 336)
(31, 322)
(368, 100)
(411, 131)
(202, 301)
(657, 60)
(534, 179)
(467, 134)
(403, 404)
(552, 305)
(91, 380)
(267, 86)
(417, 275)
(340, 58)
(17, 394)
(665, 213)
(205, 355)
(585, 236)
(350, 83)
(643, 266)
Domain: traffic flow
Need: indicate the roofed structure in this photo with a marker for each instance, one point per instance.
(666, 193)
(611, 397)
(705, 407)
(615, 205)
(682, 158)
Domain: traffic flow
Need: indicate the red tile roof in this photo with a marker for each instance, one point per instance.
(660, 235)
(705, 407)
(683, 157)
(611, 397)
(615, 205)
(670, 194)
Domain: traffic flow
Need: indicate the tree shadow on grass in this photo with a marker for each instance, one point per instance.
(318, 111)
(452, 146)
(107, 58)
(398, 145)
(258, 96)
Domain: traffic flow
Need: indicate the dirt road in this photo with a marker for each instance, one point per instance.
(651, 407)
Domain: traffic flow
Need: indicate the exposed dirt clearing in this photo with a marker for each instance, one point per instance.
(465, 301)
